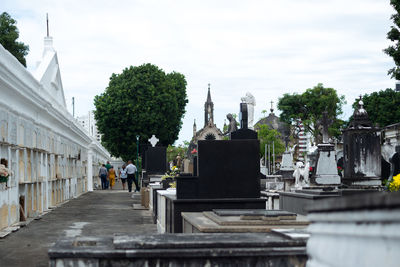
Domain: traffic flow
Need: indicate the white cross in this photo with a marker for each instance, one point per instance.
(153, 140)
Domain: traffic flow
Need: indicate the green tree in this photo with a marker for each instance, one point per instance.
(383, 107)
(309, 107)
(8, 38)
(394, 36)
(174, 151)
(143, 101)
(269, 136)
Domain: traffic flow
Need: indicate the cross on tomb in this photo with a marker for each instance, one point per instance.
(326, 122)
(153, 140)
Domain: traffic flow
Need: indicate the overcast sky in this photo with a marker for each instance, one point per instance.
(267, 48)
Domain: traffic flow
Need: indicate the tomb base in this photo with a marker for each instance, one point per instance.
(245, 249)
(301, 200)
(175, 206)
(326, 172)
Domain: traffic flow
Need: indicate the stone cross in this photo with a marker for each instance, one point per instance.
(153, 140)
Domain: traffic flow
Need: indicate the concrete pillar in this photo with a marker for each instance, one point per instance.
(90, 170)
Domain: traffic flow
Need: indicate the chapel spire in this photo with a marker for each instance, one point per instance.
(208, 109)
(209, 95)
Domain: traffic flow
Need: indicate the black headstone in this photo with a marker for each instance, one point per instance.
(244, 134)
(229, 169)
(396, 163)
(195, 166)
(243, 116)
(156, 160)
(142, 151)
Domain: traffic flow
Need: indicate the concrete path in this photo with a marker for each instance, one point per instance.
(95, 213)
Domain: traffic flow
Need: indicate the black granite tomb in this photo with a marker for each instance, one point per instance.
(243, 116)
(156, 160)
(229, 169)
(243, 134)
(228, 178)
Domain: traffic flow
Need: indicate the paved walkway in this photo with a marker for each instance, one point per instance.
(96, 213)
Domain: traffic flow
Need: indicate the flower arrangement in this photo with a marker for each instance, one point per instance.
(394, 185)
(4, 173)
(194, 151)
(339, 169)
(172, 174)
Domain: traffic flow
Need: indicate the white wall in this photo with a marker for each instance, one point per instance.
(46, 148)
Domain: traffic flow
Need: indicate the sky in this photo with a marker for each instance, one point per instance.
(267, 48)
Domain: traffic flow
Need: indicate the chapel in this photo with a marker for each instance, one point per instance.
(209, 131)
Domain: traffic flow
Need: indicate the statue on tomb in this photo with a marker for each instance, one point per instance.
(287, 140)
(301, 175)
(232, 126)
(178, 161)
(251, 102)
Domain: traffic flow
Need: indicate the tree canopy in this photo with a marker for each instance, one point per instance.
(174, 151)
(394, 36)
(309, 107)
(8, 38)
(383, 107)
(269, 136)
(143, 101)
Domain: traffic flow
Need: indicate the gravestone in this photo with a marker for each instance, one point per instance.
(287, 169)
(232, 165)
(251, 102)
(228, 177)
(156, 158)
(244, 132)
(243, 116)
(362, 151)
(326, 170)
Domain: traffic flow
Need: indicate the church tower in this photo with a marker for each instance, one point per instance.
(208, 109)
(194, 128)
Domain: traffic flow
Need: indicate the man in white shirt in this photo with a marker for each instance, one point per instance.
(131, 171)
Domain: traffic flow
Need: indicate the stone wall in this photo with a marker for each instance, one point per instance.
(51, 157)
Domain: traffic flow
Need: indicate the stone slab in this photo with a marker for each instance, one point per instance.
(182, 241)
(205, 225)
(293, 233)
(216, 249)
(139, 207)
(239, 220)
(253, 212)
(359, 201)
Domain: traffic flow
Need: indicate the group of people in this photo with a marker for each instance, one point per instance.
(127, 173)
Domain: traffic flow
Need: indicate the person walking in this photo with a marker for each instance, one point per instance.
(111, 177)
(123, 176)
(131, 170)
(103, 176)
(108, 167)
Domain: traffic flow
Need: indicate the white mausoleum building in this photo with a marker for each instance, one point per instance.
(51, 156)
